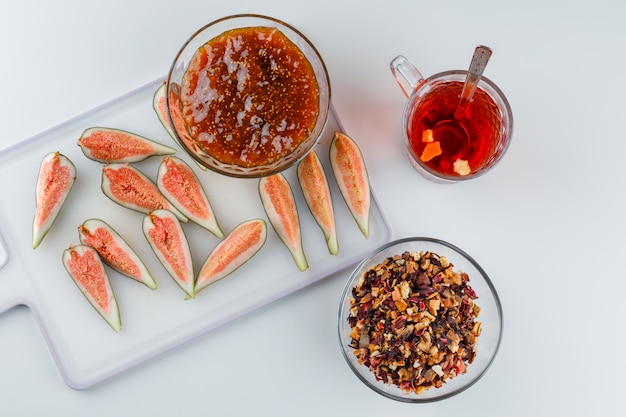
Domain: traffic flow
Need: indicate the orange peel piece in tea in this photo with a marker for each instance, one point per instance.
(431, 150)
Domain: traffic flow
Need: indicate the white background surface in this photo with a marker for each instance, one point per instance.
(546, 224)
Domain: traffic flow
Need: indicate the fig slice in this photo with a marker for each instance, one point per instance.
(316, 190)
(131, 188)
(57, 175)
(85, 267)
(180, 185)
(114, 251)
(160, 108)
(350, 172)
(233, 251)
(281, 210)
(109, 145)
(169, 243)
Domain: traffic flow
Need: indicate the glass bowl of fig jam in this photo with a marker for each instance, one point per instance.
(248, 96)
(419, 320)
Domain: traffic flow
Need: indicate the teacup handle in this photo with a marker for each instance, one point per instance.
(406, 74)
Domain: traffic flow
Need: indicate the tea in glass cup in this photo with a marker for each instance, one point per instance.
(442, 146)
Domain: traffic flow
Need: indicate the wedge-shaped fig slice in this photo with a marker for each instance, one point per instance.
(160, 108)
(87, 270)
(317, 195)
(169, 243)
(131, 188)
(57, 175)
(351, 174)
(281, 210)
(115, 146)
(114, 251)
(236, 249)
(180, 185)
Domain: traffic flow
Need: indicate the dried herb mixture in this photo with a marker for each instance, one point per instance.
(414, 321)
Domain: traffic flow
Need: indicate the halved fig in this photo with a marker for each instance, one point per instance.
(109, 145)
(160, 108)
(114, 251)
(317, 195)
(351, 174)
(169, 243)
(87, 270)
(131, 188)
(57, 175)
(236, 249)
(180, 185)
(281, 210)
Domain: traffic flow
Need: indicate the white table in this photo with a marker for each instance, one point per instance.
(546, 224)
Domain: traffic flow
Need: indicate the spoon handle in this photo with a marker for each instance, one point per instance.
(477, 67)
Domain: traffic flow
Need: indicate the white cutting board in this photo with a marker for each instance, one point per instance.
(85, 348)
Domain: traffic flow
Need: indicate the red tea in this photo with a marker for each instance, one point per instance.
(449, 146)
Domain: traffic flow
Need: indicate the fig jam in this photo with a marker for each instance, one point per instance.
(249, 96)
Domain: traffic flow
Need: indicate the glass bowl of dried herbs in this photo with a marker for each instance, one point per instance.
(419, 320)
